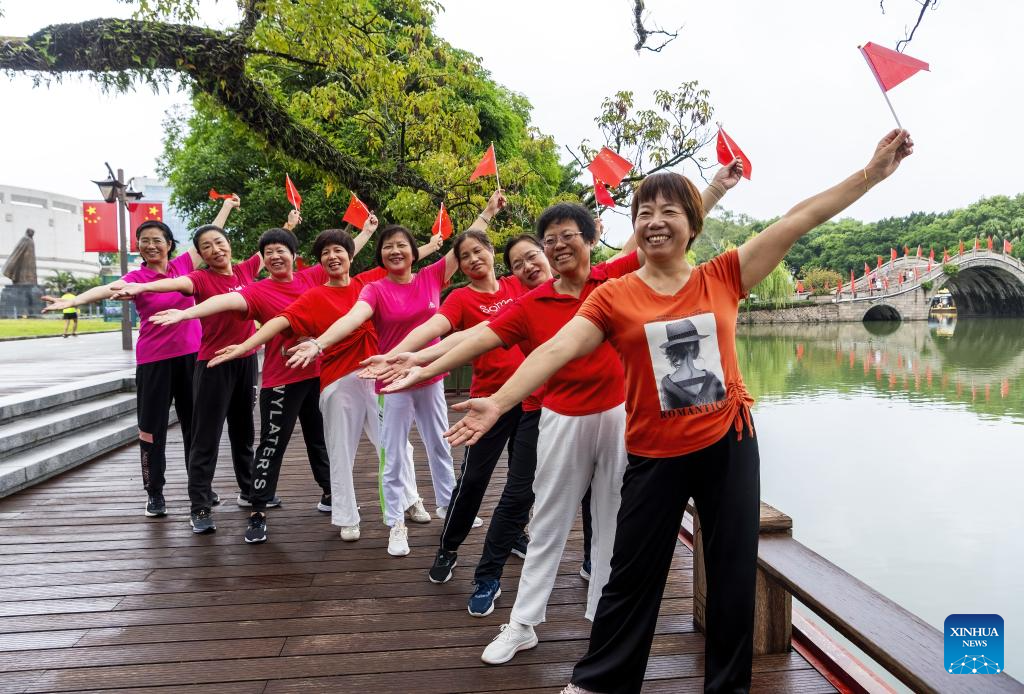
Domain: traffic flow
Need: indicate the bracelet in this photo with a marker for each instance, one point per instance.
(865, 172)
(718, 188)
(484, 219)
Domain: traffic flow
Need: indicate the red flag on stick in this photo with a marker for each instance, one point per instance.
(609, 167)
(990, 243)
(945, 255)
(890, 68)
(892, 254)
(977, 244)
(357, 212)
(729, 150)
(443, 224)
(214, 195)
(867, 271)
(488, 166)
(931, 254)
(918, 250)
(961, 249)
(853, 280)
(139, 212)
(601, 194)
(906, 251)
(1007, 246)
(879, 262)
(292, 193)
(99, 219)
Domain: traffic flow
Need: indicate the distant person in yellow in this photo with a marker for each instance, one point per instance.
(70, 315)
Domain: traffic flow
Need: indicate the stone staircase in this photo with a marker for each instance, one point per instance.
(47, 431)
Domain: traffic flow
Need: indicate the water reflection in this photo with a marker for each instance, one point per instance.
(977, 363)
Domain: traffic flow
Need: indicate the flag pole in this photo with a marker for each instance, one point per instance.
(496, 178)
(726, 140)
(885, 95)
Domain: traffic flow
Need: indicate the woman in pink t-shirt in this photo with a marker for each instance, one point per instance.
(397, 304)
(165, 357)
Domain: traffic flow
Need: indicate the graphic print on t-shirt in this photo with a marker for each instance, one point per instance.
(686, 361)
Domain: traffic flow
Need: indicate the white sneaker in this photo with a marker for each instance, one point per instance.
(398, 541)
(512, 639)
(350, 533)
(574, 689)
(442, 511)
(416, 513)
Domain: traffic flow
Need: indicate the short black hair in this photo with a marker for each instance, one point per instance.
(394, 230)
(198, 233)
(166, 230)
(475, 235)
(331, 237)
(281, 236)
(518, 238)
(568, 211)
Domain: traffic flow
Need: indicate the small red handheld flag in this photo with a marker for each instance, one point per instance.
(292, 193)
(214, 195)
(357, 212)
(443, 224)
(610, 167)
(488, 166)
(890, 67)
(601, 194)
(729, 150)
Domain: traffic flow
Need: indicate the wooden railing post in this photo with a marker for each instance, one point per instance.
(773, 605)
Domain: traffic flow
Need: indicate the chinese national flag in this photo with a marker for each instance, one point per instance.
(867, 271)
(443, 224)
(853, 280)
(357, 212)
(990, 243)
(879, 262)
(601, 194)
(609, 167)
(906, 251)
(292, 193)
(931, 254)
(729, 150)
(139, 212)
(1007, 246)
(945, 255)
(961, 248)
(99, 219)
(918, 250)
(488, 166)
(890, 67)
(892, 254)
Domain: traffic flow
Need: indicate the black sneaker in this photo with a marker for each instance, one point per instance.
(444, 563)
(257, 530)
(202, 521)
(244, 502)
(519, 546)
(325, 503)
(155, 506)
(216, 499)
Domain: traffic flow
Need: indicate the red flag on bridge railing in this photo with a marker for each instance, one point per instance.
(853, 280)
(990, 243)
(867, 271)
(99, 220)
(839, 287)
(977, 245)
(1007, 246)
(918, 250)
(885, 282)
(892, 254)
(879, 265)
(961, 249)
(906, 250)
(945, 255)
(292, 193)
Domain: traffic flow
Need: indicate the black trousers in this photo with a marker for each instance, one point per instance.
(724, 481)
(157, 385)
(280, 408)
(225, 392)
(478, 463)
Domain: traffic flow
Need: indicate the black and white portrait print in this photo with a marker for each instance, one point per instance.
(686, 361)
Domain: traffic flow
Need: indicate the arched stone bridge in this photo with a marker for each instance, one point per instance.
(987, 284)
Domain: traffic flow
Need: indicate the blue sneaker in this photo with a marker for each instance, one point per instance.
(481, 603)
(585, 570)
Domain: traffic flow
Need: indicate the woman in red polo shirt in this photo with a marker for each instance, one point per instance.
(681, 443)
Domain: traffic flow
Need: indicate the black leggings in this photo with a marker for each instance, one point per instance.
(280, 407)
(225, 392)
(157, 385)
(724, 481)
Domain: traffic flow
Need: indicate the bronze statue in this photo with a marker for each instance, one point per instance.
(20, 267)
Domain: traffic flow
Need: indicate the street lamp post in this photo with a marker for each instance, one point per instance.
(112, 189)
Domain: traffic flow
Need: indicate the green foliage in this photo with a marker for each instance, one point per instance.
(927, 285)
(821, 281)
(950, 270)
(59, 282)
(777, 288)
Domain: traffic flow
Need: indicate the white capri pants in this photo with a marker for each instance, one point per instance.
(573, 453)
(427, 407)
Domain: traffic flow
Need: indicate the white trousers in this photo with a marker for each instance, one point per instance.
(573, 453)
(427, 407)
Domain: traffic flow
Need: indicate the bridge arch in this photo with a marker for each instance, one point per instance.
(985, 290)
(883, 312)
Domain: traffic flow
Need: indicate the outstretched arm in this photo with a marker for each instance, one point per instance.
(398, 365)
(305, 353)
(104, 291)
(495, 204)
(483, 341)
(130, 290)
(577, 338)
(232, 301)
(761, 254)
(435, 326)
(268, 330)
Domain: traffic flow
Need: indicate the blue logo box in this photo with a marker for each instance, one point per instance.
(973, 644)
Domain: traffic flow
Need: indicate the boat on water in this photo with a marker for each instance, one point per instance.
(942, 304)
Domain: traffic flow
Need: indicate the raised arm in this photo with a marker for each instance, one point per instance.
(469, 349)
(104, 291)
(577, 338)
(761, 254)
(495, 204)
(363, 237)
(231, 301)
(305, 353)
(229, 204)
(268, 330)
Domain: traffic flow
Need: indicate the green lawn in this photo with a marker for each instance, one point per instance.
(23, 327)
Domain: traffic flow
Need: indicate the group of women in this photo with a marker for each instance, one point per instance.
(618, 381)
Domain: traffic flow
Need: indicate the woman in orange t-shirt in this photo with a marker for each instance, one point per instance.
(688, 426)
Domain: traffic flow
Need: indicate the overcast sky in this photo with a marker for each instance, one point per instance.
(785, 78)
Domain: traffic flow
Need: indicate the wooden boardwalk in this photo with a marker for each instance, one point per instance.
(94, 596)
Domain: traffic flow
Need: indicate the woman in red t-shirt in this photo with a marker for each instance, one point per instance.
(678, 450)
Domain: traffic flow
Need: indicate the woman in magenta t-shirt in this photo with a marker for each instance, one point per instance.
(165, 357)
(396, 305)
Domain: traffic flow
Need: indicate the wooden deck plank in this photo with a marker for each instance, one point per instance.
(95, 597)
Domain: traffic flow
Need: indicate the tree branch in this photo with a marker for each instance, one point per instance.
(910, 36)
(643, 33)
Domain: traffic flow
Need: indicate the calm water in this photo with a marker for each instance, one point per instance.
(898, 450)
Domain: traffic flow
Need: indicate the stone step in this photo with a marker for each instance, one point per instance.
(21, 405)
(58, 455)
(38, 428)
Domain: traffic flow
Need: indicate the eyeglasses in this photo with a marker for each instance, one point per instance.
(158, 241)
(528, 258)
(564, 237)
